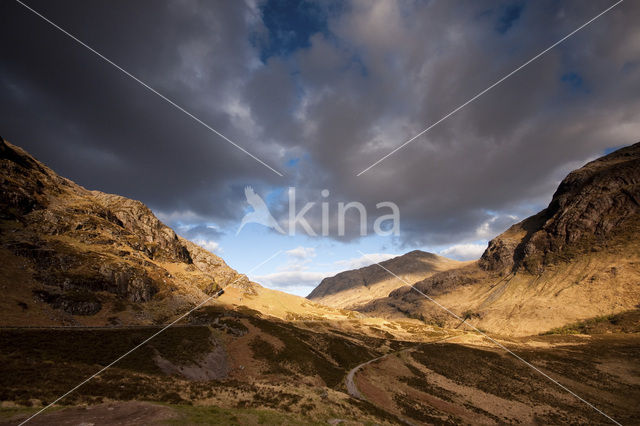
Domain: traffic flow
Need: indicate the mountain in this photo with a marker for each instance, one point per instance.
(593, 206)
(87, 276)
(355, 288)
(109, 271)
(578, 258)
(71, 255)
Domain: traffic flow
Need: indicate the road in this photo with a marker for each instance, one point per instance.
(350, 382)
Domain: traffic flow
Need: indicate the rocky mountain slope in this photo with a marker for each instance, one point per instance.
(107, 267)
(592, 205)
(71, 255)
(354, 288)
(578, 258)
(253, 355)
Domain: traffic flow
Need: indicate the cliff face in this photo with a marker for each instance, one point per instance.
(354, 288)
(577, 259)
(592, 204)
(74, 250)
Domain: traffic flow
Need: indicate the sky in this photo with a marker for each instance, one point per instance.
(318, 92)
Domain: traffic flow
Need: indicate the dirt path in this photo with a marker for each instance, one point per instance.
(352, 388)
(117, 413)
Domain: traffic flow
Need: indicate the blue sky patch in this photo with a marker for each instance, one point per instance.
(608, 151)
(573, 79)
(574, 83)
(509, 16)
(292, 162)
(291, 23)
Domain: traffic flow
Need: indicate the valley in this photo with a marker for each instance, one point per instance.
(144, 326)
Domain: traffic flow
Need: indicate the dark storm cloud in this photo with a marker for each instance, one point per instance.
(510, 147)
(92, 123)
(321, 93)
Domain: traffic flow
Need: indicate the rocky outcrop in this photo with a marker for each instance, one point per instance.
(72, 241)
(158, 240)
(576, 259)
(74, 302)
(592, 205)
(215, 267)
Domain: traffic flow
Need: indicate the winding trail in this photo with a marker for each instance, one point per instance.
(352, 388)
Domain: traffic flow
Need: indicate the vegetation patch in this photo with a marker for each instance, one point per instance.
(299, 352)
(484, 370)
(208, 415)
(420, 382)
(424, 413)
(75, 302)
(625, 322)
(311, 353)
(46, 363)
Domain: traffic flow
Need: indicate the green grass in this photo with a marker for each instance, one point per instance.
(7, 413)
(580, 327)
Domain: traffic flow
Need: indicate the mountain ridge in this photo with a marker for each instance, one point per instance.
(66, 244)
(590, 202)
(74, 256)
(574, 260)
(353, 288)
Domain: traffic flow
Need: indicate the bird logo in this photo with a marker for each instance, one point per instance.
(260, 213)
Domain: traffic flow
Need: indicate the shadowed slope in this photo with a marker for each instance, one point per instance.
(357, 287)
(579, 258)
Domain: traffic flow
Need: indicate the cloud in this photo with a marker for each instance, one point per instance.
(369, 76)
(294, 272)
(209, 245)
(302, 253)
(191, 227)
(362, 261)
(284, 279)
(123, 138)
(494, 225)
(464, 251)
(297, 274)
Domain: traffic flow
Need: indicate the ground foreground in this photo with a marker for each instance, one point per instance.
(233, 368)
(475, 383)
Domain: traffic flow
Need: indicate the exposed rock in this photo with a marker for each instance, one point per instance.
(129, 282)
(75, 303)
(73, 239)
(576, 259)
(591, 205)
(215, 267)
(159, 241)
